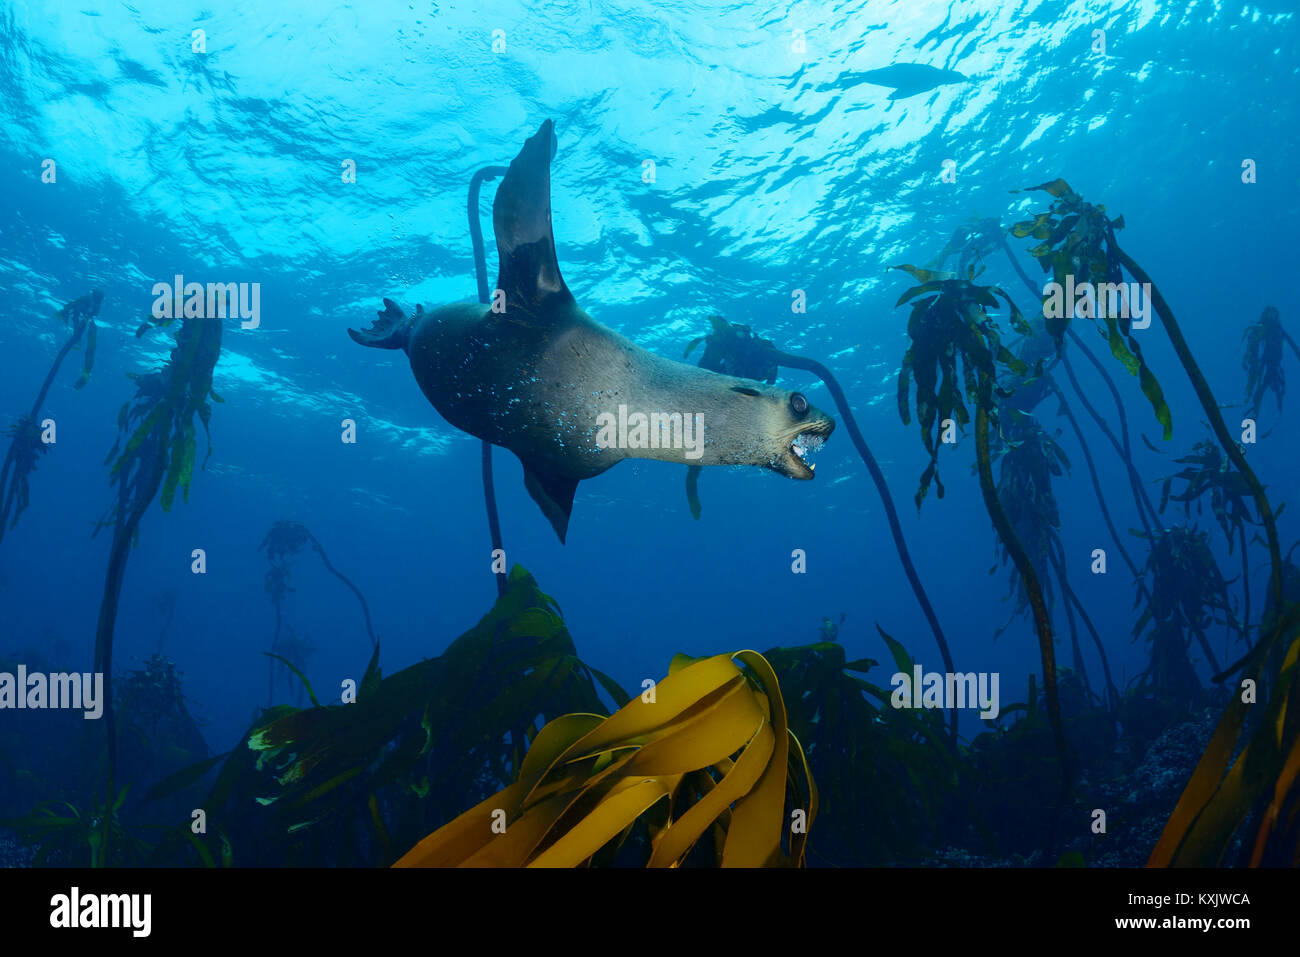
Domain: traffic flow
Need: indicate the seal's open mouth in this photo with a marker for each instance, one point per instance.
(805, 445)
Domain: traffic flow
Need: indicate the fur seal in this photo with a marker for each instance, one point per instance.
(533, 373)
(909, 79)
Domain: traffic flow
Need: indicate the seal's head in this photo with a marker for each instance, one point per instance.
(792, 429)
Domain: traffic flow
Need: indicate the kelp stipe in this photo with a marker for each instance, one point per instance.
(1039, 352)
(158, 455)
(709, 744)
(1221, 791)
(1071, 231)
(1124, 448)
(1028, 458)
(733, 349)
(1074, 231)
(996, 237)
(26, 445)
(282, 542)
(480, 275)
(949, 328)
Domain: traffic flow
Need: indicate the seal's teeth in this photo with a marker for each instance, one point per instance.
(804, 445)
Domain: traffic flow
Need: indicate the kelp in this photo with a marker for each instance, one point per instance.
(25, 451)
(1226, 793)
(1208, 473)
(1065, 410)
(295, 651)
(152, 694)
(282, 542)
(1038, 352)
(160, 419)
(871, 761)
(25, 446)
(1223, 790)
(1146, 510)
(1262, 359)
(1122, 445)
(1072, 235)
(1188, 594)
(734, 349)
(1088, 235)
(955, 351)
(1014, 768)
(480, 275)
(66, 836)
(360, 783)
(951, 330)
(155, 450)
(707, 759)
(1028, 461)
(1028, 458)
(1079, 239)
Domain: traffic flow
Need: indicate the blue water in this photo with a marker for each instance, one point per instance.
(775, 170)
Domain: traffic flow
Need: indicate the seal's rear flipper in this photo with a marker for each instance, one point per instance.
(521, 217)
(554, 493)
(390, 330)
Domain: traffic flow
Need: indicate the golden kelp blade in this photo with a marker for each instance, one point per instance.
(712, 740)
(675, 841)
(754, 837)
(624, 804)
(1214, 800)
(462, 838)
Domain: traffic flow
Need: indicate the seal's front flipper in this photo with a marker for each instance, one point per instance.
(521, 217)
(554, 493)
(903, 92)
(390, 330)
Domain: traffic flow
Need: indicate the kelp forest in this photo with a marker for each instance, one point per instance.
(770, 755)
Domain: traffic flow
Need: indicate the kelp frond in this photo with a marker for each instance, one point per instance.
(955, 351)
(1207, 472)
(1074, 244)
(708, 755)
(158, 423)
(348, 781)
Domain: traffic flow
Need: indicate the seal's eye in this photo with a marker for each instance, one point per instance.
(798, 403)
